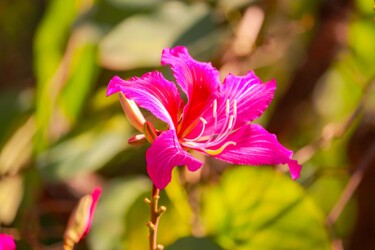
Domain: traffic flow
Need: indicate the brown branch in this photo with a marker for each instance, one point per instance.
(352, 185)
(155, 213)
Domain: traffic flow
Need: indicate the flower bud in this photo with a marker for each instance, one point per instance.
(7, 242)
(80, 220)
(149, 131)
(132, 112)
(137, 140)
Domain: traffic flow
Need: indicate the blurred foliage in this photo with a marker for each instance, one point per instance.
(242, 214)
(60, 135)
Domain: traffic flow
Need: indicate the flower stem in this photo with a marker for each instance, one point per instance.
(155, 213)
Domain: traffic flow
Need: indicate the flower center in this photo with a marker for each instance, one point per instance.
(216, 142)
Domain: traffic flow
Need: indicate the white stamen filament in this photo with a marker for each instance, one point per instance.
(203, 142)
(214, 109)
(235, 108)
(225, 125)
(204, 122)
(227, 107)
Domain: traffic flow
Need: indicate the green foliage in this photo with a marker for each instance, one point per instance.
(117, 199)
(65, 67)
(258, 209)
(92, 150)
(138, 40)
(194, 243)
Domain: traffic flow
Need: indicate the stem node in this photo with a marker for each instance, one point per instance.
(155, 213)
(147, 201)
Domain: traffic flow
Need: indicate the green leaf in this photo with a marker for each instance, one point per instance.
(139, 39)
(87, 151)
(258, 208)
(13, 107)
(10, 203)
(48, 49)
(65, 67)
(230, 5)
(134, 4)
(83, 73)
(190, 243)
(109, 222)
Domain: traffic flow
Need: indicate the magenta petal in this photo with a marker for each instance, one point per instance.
(245, 97)
(251, 95)
(95, 195)
(256, 146)
(7, 242)
(164, 154)
(152, 92)
(200, 81)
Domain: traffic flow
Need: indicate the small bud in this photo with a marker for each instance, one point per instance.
(162, 209)
(137, 140)
(132, 112)
(159, 247)
(150, 225)
(149, 131)
(147, 201)
(7, 242)
(80, 220)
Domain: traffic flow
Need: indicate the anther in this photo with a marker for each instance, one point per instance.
(203, 120)
(214, 109)
(235, 107)
(227, 107)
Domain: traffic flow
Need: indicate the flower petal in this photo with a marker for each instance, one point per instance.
(164, 154)
(244, 97)
(252, 96)
(95, 195)
(80, 220)
(200, 82)
(152, 92)
(256, 146)
(7, 242)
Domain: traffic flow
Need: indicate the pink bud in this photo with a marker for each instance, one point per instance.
(137, 140)
(81, 219)
(7, 242)
(149, 131)
(132, 112)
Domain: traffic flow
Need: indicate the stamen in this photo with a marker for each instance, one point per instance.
(227, 106)
(219, 150)
(217, 138)
(222, 136)
(214, 109)
(204, 122)
(230, 125)
(235, 108)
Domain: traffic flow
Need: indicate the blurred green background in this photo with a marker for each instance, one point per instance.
(60, 136)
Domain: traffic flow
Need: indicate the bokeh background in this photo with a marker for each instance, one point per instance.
(60, 136)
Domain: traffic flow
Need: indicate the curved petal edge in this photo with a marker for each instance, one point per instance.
(164, 154)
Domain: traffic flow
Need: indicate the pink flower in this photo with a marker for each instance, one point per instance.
(7, 242)
(81, 219)
(215, 119)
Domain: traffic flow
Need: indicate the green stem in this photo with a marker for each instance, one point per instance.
(155, 213)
